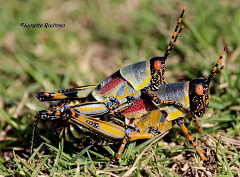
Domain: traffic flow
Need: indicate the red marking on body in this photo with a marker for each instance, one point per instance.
(139, 105)
(111, 85)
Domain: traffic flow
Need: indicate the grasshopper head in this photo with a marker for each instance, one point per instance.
(199, 91)
(157, 68)
(157, 65)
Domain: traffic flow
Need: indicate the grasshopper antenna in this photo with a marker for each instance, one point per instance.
(174, 36)
(215, 71)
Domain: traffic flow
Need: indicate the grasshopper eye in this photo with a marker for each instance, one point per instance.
(199, 89)
(157, 65)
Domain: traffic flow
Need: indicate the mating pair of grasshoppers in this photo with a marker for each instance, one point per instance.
(137, 100)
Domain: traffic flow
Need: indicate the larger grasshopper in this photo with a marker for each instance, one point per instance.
(176, 101)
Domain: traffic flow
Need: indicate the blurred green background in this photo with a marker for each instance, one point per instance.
(101, 37)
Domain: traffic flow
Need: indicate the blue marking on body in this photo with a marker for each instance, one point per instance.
(121, 92)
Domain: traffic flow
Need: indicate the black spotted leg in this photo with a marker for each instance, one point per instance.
(191, 139)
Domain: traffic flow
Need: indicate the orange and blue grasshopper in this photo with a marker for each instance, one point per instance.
(176, 101)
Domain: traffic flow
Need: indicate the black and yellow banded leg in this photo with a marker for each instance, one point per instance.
(157, 101)
(191, 139)
(74, 93)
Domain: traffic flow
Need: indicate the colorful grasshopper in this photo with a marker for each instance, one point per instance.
(177, 100)
(119, 91)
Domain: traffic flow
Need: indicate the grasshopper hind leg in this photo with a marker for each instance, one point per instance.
(70, 94)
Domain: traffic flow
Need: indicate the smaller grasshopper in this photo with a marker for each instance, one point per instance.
(177, 100)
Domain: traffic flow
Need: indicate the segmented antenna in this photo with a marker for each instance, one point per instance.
(174, 36)
(215, 71)
(173, 44)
